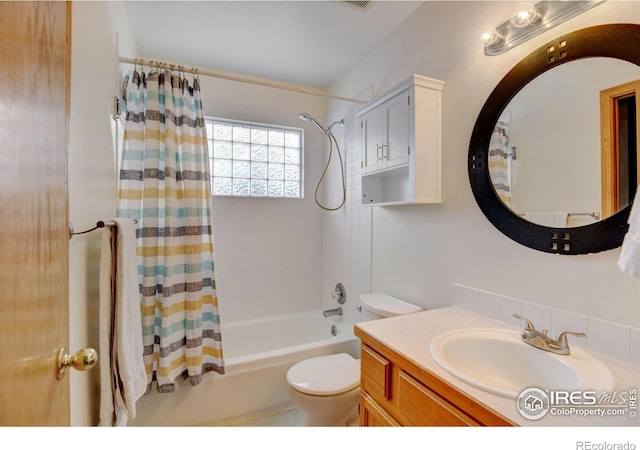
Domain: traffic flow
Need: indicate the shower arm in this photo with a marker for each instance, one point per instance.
(337, 122)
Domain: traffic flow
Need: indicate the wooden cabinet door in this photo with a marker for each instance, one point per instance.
(423, 407)
(373, 415)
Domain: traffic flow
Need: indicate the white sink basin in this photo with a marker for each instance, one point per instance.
(497, 361)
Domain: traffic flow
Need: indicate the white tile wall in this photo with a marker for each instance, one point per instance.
(612, 339)
(539, 315)
(506, 307)
(346, 232)
(609, 338)
(463, 297)
(568, 321)
(484, 303)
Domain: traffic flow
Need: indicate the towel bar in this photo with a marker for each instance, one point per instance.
(99, 224)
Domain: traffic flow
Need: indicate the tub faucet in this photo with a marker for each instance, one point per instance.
(541, 340)
(332, 312)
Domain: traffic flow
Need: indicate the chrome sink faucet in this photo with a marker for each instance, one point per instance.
(541, 340)
(332, 312)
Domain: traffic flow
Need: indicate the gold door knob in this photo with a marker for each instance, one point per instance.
(83, 359)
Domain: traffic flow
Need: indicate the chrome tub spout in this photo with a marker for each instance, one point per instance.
(332, 312)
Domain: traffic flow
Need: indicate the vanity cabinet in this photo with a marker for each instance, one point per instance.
(401, 145)
(397, 392)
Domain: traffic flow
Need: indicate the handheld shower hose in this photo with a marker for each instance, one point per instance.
(332, 139)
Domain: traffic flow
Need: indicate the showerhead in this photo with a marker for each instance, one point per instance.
(307, 118)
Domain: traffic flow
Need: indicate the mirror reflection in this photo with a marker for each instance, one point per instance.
(564, 152)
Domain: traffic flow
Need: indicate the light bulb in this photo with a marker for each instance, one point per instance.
(525, 14)
(488, 36)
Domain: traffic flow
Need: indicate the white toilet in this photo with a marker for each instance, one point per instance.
(327, 388)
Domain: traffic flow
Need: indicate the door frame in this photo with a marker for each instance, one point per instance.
(610, 160)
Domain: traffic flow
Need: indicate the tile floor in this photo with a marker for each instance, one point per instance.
(291, 417)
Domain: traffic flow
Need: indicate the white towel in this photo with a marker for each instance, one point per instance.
(629, 261)
(553, 219)
(123, 379)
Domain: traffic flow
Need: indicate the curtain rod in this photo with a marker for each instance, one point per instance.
(225, 76)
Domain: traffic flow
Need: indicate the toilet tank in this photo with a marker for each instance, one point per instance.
(378, 306)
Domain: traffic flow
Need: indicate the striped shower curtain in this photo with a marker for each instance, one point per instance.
(165, 186)
(499, 169)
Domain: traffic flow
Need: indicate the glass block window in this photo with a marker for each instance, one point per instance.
(255, 160)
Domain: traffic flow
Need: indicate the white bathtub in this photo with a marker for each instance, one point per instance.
(257, 355)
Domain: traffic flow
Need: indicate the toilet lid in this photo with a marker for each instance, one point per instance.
(325, 375)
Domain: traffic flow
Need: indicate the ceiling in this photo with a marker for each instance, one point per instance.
(310, 43)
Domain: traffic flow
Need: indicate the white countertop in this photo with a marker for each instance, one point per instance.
(411, 335)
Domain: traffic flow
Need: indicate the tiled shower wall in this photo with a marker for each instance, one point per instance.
(612, 339)
(347, 232)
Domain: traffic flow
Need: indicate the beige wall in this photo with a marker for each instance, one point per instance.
(92, 182)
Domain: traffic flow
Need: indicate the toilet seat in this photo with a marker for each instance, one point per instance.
(325, 375)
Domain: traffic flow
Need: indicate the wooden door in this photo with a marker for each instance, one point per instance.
(34, 247)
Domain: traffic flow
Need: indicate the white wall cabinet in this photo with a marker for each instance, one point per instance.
(385, 134)
(401, 142)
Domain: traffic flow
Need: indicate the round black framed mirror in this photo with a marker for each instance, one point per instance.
(618, 41)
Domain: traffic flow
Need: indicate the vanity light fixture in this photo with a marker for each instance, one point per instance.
(528, 21)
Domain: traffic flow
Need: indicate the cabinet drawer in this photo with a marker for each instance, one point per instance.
(376, 374)
(423, 407)
(373, 415)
